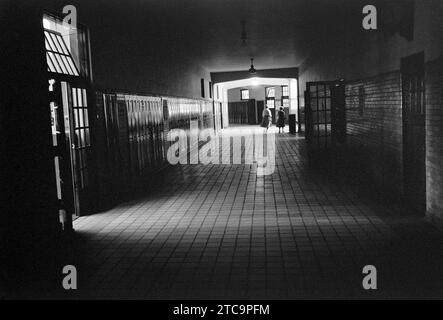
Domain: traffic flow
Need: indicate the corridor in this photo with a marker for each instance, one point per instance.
(118, 181)
(222, 232)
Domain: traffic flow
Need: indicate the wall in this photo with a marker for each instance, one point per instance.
(374, 130)
(370, 60)
(139, 47)
(28, 208)
(351, 53)
(179, 77)
(434, 137)
(255, 92)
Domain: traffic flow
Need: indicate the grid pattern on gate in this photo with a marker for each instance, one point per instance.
(319, 114)
(82, 138)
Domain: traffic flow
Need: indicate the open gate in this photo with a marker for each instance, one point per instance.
(325, 117)
(70, 102)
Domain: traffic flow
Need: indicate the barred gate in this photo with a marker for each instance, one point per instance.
(325, 116)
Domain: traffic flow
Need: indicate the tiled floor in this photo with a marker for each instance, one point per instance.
(221, 231)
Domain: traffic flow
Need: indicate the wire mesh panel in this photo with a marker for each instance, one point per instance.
(82, 140)
(77, 124)
(325, 115)
(318, 97)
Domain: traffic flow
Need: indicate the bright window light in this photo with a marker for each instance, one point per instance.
(46, 23)
(244, 94)
(58, 57)
(255, 82)
(270, 92)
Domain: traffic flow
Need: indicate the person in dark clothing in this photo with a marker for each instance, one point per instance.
(281, 120)
(267, 118)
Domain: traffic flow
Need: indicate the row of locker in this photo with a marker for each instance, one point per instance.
(145, 133)
(180, 112)
(131, 139)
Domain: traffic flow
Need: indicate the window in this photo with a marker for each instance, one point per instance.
(58, 57)
(210, 90)
(285, 96)
(285, 91)
(270, 92)
(244, 93)
(285, 102)
(82, 139)
(270, 97)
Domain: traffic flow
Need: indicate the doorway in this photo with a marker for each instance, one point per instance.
(77, 105)
(414, 132)
(260, 107)
(72, 146)
(247, 98)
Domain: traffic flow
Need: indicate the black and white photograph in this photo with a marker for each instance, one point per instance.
(202, 152)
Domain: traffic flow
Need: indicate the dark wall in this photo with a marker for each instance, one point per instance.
(352, 53)
(374, 130)
(28, 212)
(370, 61)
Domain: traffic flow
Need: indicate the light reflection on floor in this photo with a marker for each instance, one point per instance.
(221, 231)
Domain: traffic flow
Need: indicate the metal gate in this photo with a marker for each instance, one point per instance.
(76, 104)
(325, 116)
(69, 77)
(72, 146)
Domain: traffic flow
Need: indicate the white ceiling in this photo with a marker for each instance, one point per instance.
(254, 82)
